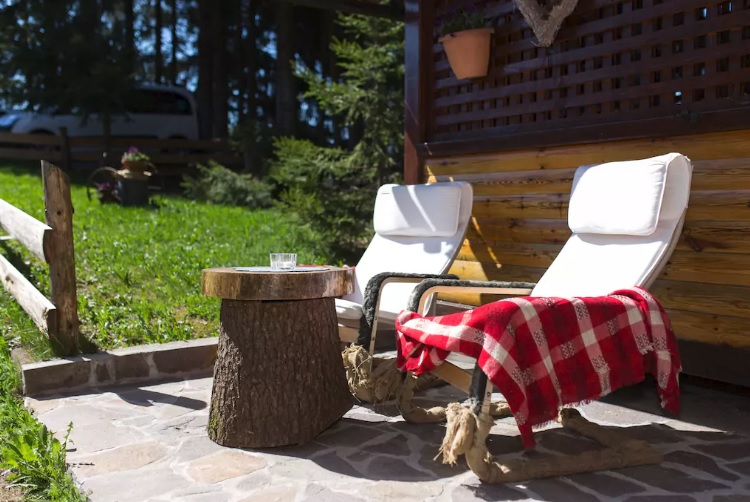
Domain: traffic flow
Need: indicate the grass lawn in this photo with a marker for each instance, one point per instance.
(138, 269)
(138, 274)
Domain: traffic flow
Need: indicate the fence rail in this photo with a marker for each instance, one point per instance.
(52, 243)
(171, 156)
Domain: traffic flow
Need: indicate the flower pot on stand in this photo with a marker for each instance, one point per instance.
(132, 185)
(135, 166)
(468, 52)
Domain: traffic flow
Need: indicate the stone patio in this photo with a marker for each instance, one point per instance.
(149, 443)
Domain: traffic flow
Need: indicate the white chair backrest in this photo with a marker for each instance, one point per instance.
(626, 219)
(418, 229)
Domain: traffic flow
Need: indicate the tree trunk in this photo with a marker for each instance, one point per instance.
(158, 58)
(240, 57)
(205, 69)
(130, 54)
(250, 48)
(286, 99)
(278, 378)
(107, 138)
(219, 94)
(175, 44)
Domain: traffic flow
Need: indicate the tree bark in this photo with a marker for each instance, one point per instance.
(278, 378)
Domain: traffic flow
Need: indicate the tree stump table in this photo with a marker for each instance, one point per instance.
(278, 378)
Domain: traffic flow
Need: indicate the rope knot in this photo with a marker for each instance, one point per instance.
(459, 433)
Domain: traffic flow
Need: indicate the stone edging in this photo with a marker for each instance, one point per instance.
(144, 363)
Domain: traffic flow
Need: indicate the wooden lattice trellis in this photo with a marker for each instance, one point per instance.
(612, 61)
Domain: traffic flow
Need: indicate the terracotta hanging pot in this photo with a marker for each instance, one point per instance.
(468, 52)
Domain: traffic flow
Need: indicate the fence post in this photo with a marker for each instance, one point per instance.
(65, 148)
(61, 256)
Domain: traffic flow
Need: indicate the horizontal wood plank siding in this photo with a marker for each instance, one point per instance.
(519, 225)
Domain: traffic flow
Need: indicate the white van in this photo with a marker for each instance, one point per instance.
(158, 111)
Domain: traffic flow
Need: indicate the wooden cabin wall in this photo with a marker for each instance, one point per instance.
(519, 225)
(624, 79)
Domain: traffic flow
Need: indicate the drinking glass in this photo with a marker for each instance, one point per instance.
(283, 261)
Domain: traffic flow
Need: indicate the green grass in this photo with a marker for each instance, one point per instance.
(138, 269)
(138, 281)
(35, 458)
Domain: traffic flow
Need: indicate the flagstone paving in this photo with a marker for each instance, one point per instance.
(149, 444)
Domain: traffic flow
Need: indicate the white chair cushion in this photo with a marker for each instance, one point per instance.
(596, 265)
(348, 310)
(417, 210)
(618, 198)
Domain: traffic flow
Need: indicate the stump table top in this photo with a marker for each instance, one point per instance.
(232, 284)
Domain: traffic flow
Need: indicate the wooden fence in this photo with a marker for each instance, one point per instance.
(52, 243)
(171, 156)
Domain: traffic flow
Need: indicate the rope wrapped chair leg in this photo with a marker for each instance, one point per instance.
(374, 379)
(468, 429)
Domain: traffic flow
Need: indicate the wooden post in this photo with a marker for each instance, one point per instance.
(65, 148)
(417, 80)
(61, 256)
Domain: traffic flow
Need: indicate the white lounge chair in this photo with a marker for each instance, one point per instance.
(626, 218)
(419, 230)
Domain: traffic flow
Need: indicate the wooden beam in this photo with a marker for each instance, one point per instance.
(62, 260)
(511, 138)
(26, 229)
(417, 82)
(39, 308)
(30, 139)
(393, 10)
(29, 154)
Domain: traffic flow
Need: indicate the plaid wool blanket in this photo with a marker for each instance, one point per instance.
(543, 353)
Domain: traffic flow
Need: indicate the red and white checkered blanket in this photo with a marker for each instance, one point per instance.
(544, 353)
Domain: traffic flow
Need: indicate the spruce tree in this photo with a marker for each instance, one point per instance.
(333, 189)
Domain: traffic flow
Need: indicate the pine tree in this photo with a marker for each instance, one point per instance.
(66, 56)
(370, 93)
(332, 189)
